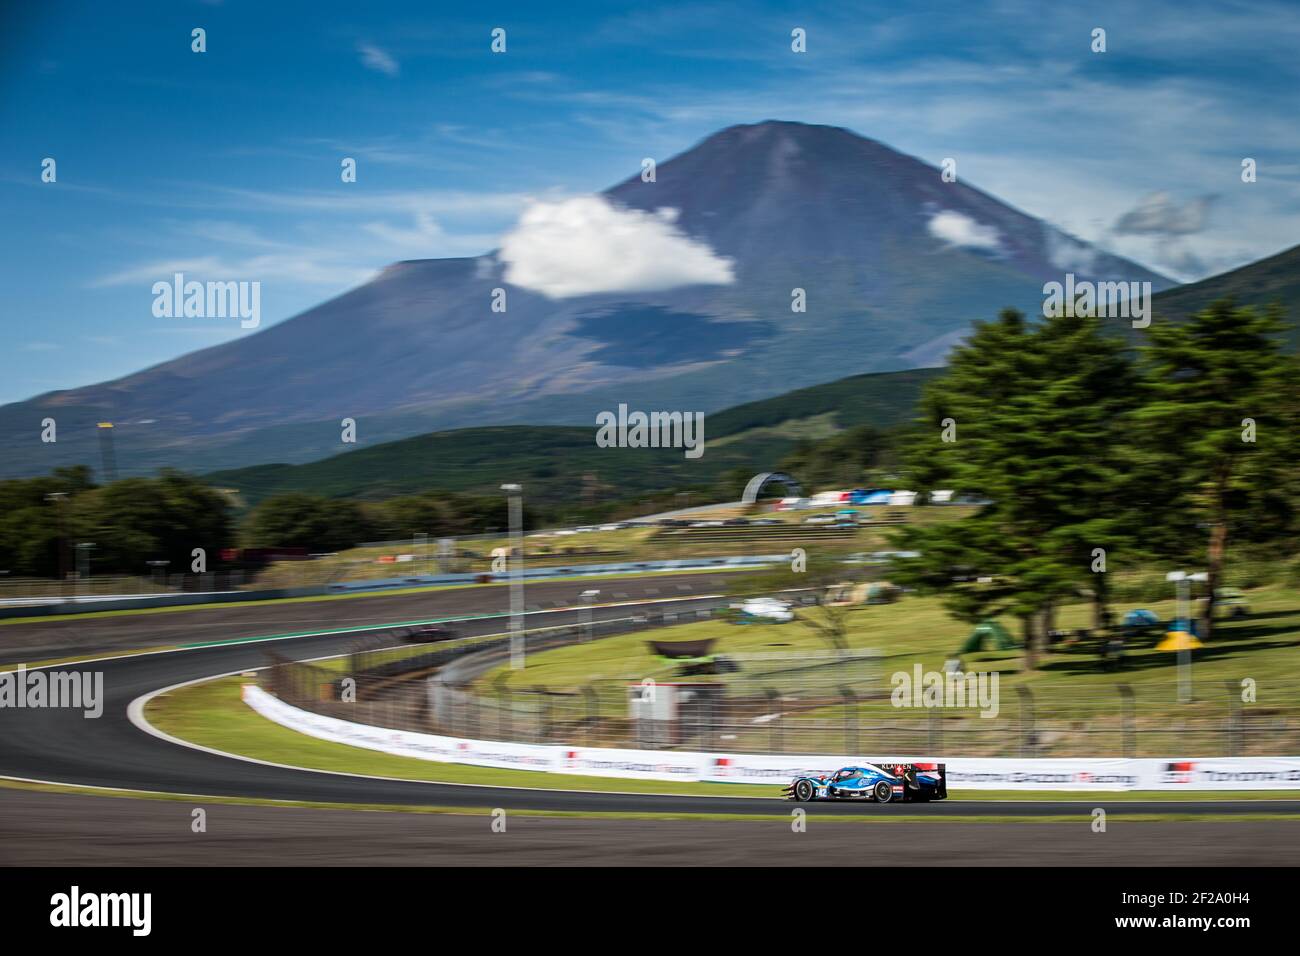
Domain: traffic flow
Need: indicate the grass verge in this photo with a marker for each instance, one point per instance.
(212, 714)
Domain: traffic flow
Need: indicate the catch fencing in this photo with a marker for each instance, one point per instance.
(837, 702)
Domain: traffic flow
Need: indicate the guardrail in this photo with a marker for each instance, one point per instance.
(566, 570)
(71, 600)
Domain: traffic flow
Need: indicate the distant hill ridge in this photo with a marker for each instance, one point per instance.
(551, 460)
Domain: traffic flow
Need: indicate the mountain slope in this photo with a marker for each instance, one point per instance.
(550, 460)
(847, 219)
(1263, 283)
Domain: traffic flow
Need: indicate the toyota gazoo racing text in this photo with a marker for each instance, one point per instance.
(879, 782)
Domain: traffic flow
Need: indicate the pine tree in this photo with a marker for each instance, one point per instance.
(1221, 421)
(1032, 418)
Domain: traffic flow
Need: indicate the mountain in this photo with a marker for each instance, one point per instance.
(1268, 281)
(551, 459)
(895, 263)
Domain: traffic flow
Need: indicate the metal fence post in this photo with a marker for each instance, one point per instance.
(504, 723)
(850, 723)
(1234, 719)
(1028, 743)
(545, 715)
(592, 701)
(1127, 721)
(775, 732)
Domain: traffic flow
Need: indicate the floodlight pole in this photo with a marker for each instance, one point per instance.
(515, 500)
(159, 571)
(58, 497)
(1184, 654)
(587, 598)
(1182, 609)
(83, 566)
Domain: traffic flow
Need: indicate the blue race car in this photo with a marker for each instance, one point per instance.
(879, 782)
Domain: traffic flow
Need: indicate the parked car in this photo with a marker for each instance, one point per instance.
(764, 610)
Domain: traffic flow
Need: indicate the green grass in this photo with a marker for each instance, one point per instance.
(918, 630)
(212, 714)
(1077, 703)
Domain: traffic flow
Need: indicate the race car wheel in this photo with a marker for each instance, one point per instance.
(803, 791)
(883, 791)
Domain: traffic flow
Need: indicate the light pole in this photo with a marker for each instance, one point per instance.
(158, 566)
(420, 545)
(58, 498)
(587, 598)
(1183, 625)
(83, 566)
(515, 500)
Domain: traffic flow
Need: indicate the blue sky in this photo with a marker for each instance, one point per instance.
(225, 164)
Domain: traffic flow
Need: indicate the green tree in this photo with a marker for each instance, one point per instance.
(848, 458)
(137, 520)
(1031, 417)
(34, 532)
(1221, 425)
(297, 520)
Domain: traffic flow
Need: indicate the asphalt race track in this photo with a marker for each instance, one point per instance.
(62, 746)
(82, 636)
(41, 829)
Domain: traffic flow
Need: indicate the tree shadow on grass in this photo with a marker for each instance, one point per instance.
(1148, 658)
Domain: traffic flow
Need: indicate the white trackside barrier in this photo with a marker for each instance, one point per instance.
(964, 773)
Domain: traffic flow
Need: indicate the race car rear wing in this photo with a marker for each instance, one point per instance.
(938, 769)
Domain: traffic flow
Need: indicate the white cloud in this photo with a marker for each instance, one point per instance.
(959, 229)
(377, 59)
(1160, 214)
(586, 245)
(422, 235)
(1067, 254)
